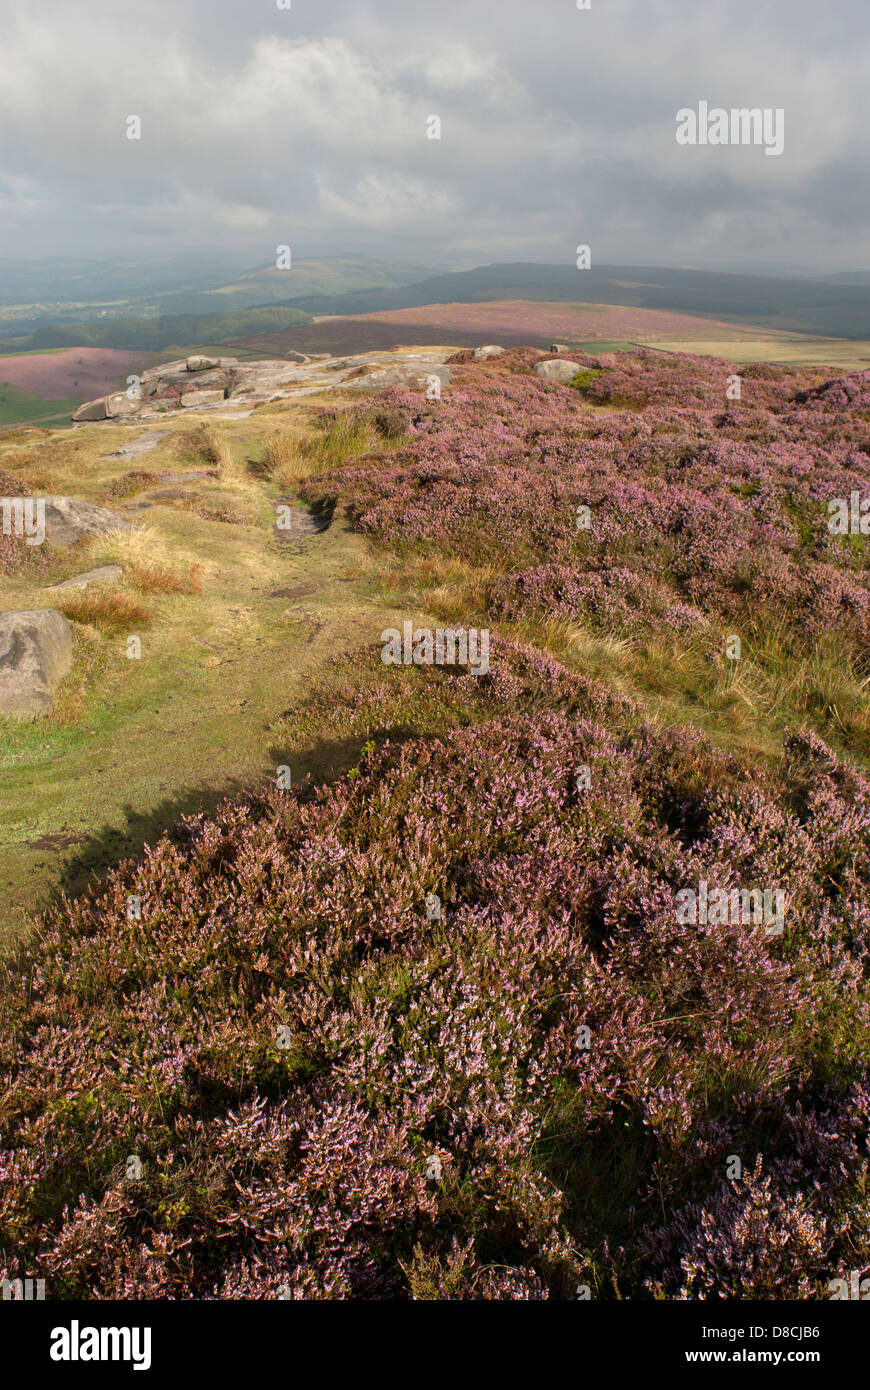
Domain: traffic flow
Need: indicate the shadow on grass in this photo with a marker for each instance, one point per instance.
(101, 850)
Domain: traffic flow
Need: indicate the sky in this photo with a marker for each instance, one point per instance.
(307, 126)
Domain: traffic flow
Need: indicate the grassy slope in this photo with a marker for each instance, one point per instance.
(133, 745)
(18, 406)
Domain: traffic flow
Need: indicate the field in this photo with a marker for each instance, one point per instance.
(19, 407)
(409, 1002)
(79, 373)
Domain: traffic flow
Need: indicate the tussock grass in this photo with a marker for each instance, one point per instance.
(146, 560)
(109, 610)
(201, 443)
(291, 457)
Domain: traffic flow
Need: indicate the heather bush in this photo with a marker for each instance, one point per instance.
(335, 1092)
(695, 516)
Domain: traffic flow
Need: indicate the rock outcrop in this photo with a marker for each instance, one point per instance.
(192, 399)
(415, 378)
(36, 652)
(224, 384)
(69, 519)
(562, 370)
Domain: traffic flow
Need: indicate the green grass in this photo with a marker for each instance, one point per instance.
(18, 406)
(132, 744)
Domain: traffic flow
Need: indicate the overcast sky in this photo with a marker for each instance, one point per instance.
(307, 126)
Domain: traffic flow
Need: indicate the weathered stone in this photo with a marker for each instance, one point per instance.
(91, 410)
(36, 652)
(202, 364)
(119, 404)
(191, 399)
(296, 356)
(219, 379)
(491, 350)
(414, 377)
(367, 369)
(110, 407)
(106, 574)
(68, 519)
(142, 444)
(559, 347)
(562, 370)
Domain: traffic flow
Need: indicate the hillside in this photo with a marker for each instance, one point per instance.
(411, 983)
(517, 322)
(794, 305)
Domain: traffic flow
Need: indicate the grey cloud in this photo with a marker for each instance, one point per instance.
(308, 126)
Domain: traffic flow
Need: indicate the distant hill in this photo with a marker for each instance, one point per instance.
(510, 322)
(850, 277)
(42, 293)
(334, 275)
(151, 335)
(818, 306)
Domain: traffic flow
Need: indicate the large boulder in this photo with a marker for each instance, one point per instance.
(112, 407)
(36, 652)
(482, 354)
(119, 405)
(69, 519)
(209, 371)
(91, 410)
(561, 370)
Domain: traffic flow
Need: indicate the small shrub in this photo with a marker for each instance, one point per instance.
(129, 484)
(585, 375)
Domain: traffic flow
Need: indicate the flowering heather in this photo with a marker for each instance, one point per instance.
(334, 1093)
(702, 510)
(437, 1029)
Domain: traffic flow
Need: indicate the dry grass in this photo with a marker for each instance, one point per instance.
(290, 457)
(162, 579)
(203, 444)
(109, 610)
(284, 461)
(146, 561)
